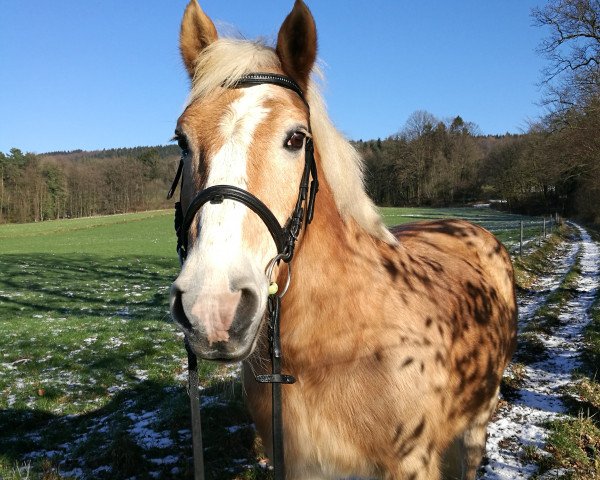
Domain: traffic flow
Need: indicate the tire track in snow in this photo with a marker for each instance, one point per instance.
(545, 285)
(519, 423)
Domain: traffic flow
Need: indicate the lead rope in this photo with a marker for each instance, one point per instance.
(276, 398)
(193, 384)
(194, 393)
(276, 379)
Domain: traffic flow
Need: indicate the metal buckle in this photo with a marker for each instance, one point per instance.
(276, 378)
(269, 272)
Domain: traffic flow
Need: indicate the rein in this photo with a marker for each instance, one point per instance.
(285, 240)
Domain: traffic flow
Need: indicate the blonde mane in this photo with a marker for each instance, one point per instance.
(225, 61)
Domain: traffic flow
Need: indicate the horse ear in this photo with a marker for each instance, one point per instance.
(197, 32)
(297, 44)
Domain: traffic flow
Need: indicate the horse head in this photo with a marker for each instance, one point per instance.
(252, 138)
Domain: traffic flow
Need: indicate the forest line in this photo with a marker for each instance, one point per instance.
(429, 163)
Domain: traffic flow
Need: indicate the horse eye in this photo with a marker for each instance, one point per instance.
(182, 142)
(295, 141)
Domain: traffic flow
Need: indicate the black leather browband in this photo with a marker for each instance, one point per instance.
(253, 79)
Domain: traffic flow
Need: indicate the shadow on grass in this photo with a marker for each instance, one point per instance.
(143, 432)
(84, 330)
(94, 285)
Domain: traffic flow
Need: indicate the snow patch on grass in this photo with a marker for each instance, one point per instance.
(146, 437)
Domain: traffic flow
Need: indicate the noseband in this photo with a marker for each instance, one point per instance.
(285, 240)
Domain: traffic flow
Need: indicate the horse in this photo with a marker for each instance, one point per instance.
(398, 338)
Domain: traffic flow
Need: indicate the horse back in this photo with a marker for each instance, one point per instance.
(463, 282)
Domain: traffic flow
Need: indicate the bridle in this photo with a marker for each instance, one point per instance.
(285, 240)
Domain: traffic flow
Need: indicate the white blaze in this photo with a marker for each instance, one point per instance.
(220, 241)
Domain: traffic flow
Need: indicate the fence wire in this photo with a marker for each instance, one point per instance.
(519, 233)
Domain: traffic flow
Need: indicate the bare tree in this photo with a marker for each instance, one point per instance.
(572, 77)
(418, 124)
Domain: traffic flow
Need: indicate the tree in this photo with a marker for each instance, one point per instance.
(565, 147)
(418, 133)
(56, 184)
(462, 156)
(572, 77)
(419, 123)
(3, 164)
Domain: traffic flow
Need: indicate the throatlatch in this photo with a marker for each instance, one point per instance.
(285, 241)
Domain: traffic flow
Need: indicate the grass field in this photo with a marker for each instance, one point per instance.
(504, 225)
(92, 371)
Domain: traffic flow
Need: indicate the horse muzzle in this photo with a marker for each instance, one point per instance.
(219, 324)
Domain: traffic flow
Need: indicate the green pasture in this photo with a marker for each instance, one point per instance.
(505, 226)
(147, 233)
(92, 370)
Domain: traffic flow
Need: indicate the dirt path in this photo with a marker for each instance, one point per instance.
(518, 425)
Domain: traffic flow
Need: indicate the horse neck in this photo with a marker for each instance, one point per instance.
(329, 243)
(334, 266)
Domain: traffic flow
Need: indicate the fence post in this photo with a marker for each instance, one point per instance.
(544, 227)
(521, 240)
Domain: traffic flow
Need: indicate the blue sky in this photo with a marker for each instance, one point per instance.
(100, 74)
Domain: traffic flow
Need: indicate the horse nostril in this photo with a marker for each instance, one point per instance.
(177, 311)
(248, 303)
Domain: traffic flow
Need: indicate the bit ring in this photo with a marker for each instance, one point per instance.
(269, 272)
